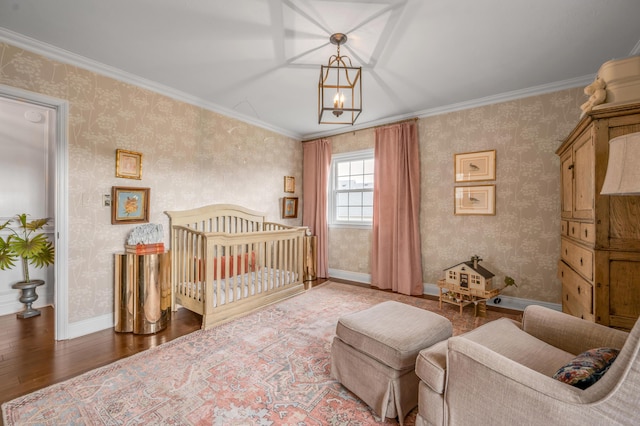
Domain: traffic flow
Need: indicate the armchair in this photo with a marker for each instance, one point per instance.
(502, 374)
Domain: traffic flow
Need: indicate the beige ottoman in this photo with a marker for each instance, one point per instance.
(374, 353)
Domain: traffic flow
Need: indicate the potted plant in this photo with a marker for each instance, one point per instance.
(24, 244)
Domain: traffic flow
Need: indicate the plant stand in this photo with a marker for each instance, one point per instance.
(28, 295)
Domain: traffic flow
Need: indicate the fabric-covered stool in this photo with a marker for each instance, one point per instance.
(374, 353)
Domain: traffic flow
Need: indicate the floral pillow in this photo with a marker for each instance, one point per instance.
(587, 368)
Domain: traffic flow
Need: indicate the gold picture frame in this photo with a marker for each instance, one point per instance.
(289, 184)
(128, 164)
(475, 166)
(475, 200)
(129, 205)
(290, 207)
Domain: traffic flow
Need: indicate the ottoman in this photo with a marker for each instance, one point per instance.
(374, 353)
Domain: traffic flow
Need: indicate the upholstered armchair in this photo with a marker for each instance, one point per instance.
(502, 373)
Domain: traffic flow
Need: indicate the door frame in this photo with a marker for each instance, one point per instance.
(61, 197)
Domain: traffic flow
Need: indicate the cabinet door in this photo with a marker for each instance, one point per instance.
(566, 163)
(583, 171)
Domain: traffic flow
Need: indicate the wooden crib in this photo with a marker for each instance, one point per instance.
(227, 261)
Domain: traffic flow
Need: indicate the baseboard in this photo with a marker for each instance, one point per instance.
(91, 325)
(507, 302)
(350, 276)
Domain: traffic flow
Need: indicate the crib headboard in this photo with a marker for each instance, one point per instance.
(227, 218)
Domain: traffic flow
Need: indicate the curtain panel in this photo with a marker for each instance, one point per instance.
(315, 176)
(396, 261)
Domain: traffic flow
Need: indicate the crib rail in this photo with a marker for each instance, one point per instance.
(222, 275)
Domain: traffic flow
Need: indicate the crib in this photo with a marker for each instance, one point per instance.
(227, 261)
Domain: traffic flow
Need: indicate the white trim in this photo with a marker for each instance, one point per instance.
(364, 154)
(350, 276)
(473, 103)
(65, 56)
(61, 200)
(91, 325)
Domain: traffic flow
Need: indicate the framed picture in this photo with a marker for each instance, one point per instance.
(129, 205)
(475, 200)
(128, 164)
(289, 184)
(290, 207)
(475, 166)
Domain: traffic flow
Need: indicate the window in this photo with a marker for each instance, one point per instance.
(351, 190)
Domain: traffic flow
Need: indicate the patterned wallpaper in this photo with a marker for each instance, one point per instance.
(191, 157)
(523, 238)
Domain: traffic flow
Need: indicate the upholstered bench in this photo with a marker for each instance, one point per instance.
(374, 353)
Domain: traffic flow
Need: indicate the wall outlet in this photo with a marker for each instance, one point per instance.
(106, 200)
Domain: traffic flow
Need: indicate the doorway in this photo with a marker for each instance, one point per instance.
(34, 172)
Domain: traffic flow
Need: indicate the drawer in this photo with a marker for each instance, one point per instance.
(579, 258)
(577, 294)
(588, 232)
(564, 227)
(574, 229)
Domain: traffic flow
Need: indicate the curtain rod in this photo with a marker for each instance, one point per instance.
(364, 128)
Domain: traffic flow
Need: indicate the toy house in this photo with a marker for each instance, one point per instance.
(470, 275)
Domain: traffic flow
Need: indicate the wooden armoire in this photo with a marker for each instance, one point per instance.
(600, 244)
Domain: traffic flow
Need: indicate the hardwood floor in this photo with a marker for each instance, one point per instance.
(31, 359)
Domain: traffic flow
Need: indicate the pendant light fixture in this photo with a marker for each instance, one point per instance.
(339, 88)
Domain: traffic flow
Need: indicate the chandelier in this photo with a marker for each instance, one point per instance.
(339, 88)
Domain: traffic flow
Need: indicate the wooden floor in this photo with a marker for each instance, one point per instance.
(31, 359)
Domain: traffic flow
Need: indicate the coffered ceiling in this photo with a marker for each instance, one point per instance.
(259, 60)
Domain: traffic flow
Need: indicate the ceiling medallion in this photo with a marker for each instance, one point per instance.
(339, 88)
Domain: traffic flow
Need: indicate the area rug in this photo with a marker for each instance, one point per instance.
(271, 367)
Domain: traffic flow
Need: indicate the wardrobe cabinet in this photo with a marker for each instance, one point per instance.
(599, 262)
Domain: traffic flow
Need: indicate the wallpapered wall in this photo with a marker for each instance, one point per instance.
(191, 157)
(523, 238)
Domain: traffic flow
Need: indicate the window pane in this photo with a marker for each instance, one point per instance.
(343, 169)
(367, 198)
(368, 181)
(368, 166)
(355, 213)
(343, 199)
(355, 198)
(342, 213)
(343, 183)
(367, 213)
(357, 182)
(357, 167)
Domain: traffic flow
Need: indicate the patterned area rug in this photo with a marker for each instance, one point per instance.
(271, 367)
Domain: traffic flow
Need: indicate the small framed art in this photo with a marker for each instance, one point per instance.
(475, 200)
(128, 164)
(475, 166)
(289, 184)
(290, 207)
(129, 205)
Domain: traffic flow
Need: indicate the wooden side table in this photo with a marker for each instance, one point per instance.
(142, 292)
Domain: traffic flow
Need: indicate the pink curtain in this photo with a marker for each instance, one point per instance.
(396, 261)
(315, 175)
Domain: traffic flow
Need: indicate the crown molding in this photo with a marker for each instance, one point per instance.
(65, 56)
(474, 103)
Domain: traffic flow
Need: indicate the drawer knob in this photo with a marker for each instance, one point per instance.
(573, 230)
(578, 289)
(580, 261)
(567, 297)
(586, 233)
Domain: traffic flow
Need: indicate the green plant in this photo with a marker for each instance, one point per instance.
(508, 281)
(22, 244)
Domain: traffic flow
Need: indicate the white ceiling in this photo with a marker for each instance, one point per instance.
(259, 60)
